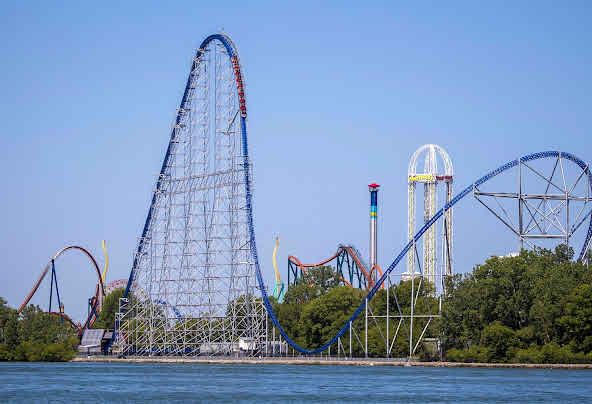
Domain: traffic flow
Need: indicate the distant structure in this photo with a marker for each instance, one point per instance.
(95, 302)
(373, 189)
(430, 178)
(278, 290)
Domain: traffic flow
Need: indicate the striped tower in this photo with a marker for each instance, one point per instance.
(373, 188)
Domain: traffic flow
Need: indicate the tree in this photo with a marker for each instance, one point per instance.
(322, 318)
(39, 328)
(106, 318)
(499, 338)
(35, 336)
(536, 307)
(315, 282)
(576, 321)
(8, 325)
(288, 315)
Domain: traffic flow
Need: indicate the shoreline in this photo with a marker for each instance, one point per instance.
(333, 362)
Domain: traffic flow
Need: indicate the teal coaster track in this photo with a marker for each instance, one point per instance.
(233, 55)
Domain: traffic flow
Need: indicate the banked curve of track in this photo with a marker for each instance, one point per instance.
(353, 253)
(99, 292)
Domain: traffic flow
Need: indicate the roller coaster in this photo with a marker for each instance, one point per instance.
(162, 262)
(195, 251)
(197, 256)
(95, 302)
(471, 189)
(350, 268)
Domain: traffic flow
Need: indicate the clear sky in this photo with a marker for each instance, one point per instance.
(339, 96)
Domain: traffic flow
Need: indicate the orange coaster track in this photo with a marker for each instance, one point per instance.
(97, 299)
(350, 268)
(77, 326)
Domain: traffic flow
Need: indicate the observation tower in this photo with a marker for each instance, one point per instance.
(431, 177)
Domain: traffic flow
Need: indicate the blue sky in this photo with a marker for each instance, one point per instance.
(339, 96)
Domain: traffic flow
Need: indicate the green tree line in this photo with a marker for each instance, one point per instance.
(318, 305)
(532, 308)
(34, 335)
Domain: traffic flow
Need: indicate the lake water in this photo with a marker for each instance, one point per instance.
(127, 383)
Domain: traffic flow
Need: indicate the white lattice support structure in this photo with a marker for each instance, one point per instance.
(430, 177)
(194, 263)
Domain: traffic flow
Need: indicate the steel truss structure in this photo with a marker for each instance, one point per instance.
(354, 324)
(430, 177)
(551, 202)
(392, 321)
(192, 289)
(195, 278)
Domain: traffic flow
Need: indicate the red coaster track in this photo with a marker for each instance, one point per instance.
(357, 269)
(97, 299)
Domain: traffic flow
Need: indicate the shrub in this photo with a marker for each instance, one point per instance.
(478, 354)
(499, 339)
(527, 335)
(553, 353)
(455, 355)
(59, 352)
(528, 355)
(475, 354)
(5, 353)
(27, 351)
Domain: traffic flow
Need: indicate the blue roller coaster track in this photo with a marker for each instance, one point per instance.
(417, 237)
(232, 52)
(174, 308)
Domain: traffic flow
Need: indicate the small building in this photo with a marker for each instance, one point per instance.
(406, 276)
(509, 255)
(218, 348)
(94, 341)
(91, 342)
(247, 344)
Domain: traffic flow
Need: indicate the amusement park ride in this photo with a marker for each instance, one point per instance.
(95, 302)
(196, 286)
(351, 268)
(430, 179)
(278, 290)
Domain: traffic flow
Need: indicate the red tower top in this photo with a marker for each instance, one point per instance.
(373, 186)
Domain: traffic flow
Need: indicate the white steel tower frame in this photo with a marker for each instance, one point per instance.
(193, 287)
(430, 177)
